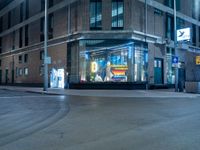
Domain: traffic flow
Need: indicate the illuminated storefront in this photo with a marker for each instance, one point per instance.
(57, 78)
(110, 61)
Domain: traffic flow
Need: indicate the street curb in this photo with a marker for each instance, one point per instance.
(27, 91)
(67, 94)
(45, 93)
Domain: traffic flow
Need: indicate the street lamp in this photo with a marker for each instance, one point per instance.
(175, 48)
(45, 49)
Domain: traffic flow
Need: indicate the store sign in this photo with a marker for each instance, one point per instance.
(94, 67)
(197, 60)
(184, 34)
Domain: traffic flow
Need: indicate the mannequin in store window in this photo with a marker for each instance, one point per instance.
(109, 74)
(98, 78)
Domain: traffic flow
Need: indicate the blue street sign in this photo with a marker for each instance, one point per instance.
(174, 60)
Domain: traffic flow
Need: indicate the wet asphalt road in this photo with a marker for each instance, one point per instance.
(22, 114)
(40, 122)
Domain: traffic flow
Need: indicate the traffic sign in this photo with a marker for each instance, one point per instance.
(47, 60)
(174, 60)
(197, 60)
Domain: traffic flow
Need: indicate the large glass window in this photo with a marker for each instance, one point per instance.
(95, 14)
(112, 61)
(141, 63)
(170, 27)
(117, 14)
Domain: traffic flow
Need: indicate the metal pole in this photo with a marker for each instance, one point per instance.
(146, 21)
(175, 47)
(45, 49)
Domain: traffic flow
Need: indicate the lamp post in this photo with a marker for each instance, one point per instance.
(45, 49)
(175, 48)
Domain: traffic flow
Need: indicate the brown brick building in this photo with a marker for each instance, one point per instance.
(99, 43)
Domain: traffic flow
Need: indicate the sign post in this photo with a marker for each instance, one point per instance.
(45, 88)
(175, 47)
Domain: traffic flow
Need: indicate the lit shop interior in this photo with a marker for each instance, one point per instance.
(57, 78)
(112, 61)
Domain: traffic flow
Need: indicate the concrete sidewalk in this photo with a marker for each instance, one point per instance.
(164, 93)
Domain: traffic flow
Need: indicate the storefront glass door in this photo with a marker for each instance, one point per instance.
(158, 71)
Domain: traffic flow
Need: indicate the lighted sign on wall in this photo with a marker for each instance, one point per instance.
(94, 67)
(184, 34)
(197, 60)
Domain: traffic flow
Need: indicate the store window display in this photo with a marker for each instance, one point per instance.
(112, 61)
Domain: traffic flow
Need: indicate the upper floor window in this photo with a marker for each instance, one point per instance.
(21, 11)
(42, 5)
(0, 45)
(27, 9)
(195, 9)
(20, 59)
(9, 19)
(95, 14)
(42, 29)
(180, 23)
(13, 40)
(50, 26)
(41, 55)
(1, 24)
(170, 27)
(170, 3)
(20, 37)
(117, 14)
(25, 58)
(194, 34)
(26, 35)
(50, 4)
(199, 38)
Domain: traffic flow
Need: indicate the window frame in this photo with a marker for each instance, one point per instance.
(118, 27)
(96, 3)
(25, 58)
(20, 59)
(26, 73)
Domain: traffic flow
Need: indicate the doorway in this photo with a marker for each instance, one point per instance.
(6, 77)
(158, 71)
